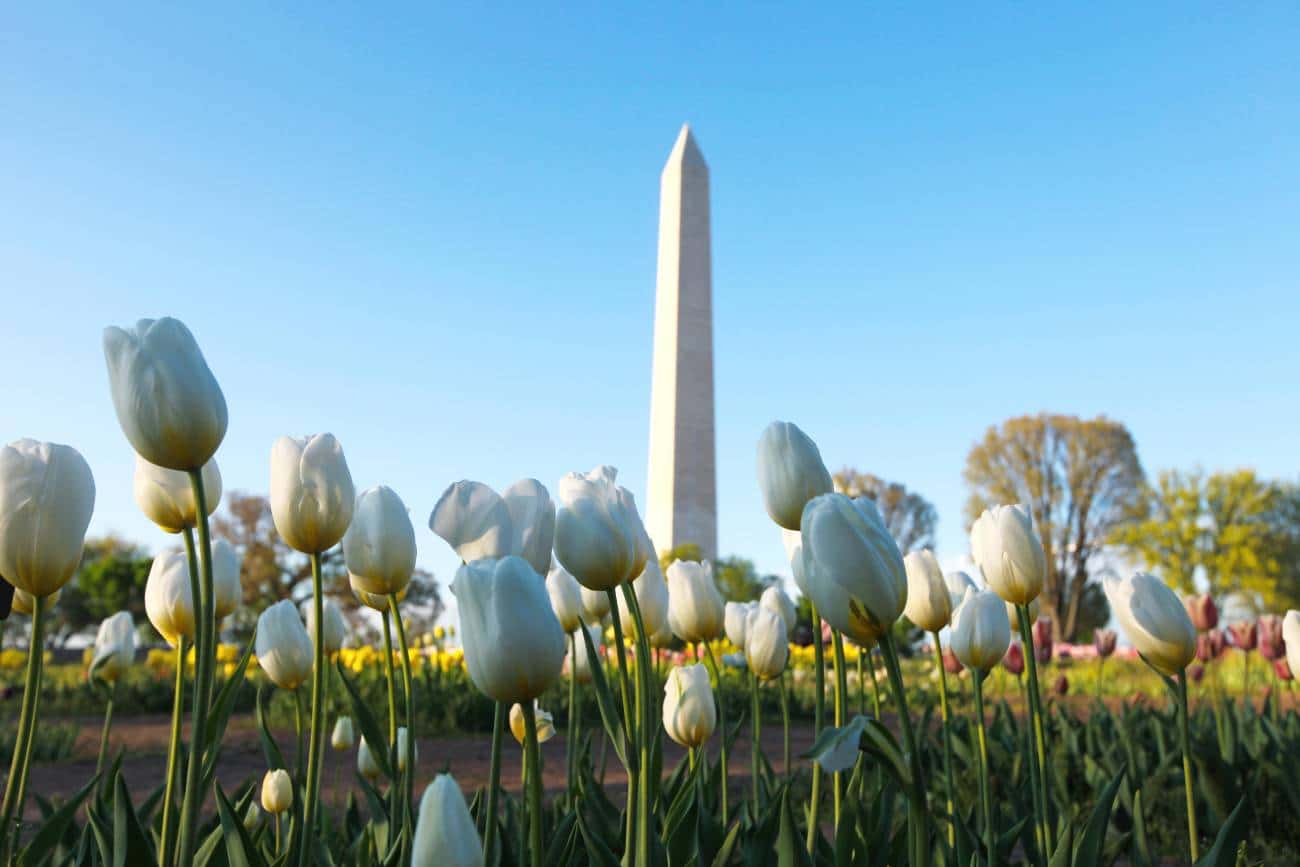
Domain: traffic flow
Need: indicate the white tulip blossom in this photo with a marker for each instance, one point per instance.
(379, 545)
(790, 473)
(735, 621)
(480, 524)
(1291, 638)
(595, 605)
(336, 628)
(777, 601)
(311, 492)
(958, 582)
(445, 835)
(981, 632)
(47, 495)
(277, 791)
(168, 596)
(403, 745)
(793, 541)
(651, 596)
(532, 522)
(167, 496)
(929, 604)
(227, 589)
(696, 611)
(689, 713)
(1009, 553)
(767, 648)
(25, 603)
(283, 647)
(544, 723)
(343, 737)
(599, 536)
(366, 764)
(580, 666)
(566, 597)
(1154, 619)
(114, 647)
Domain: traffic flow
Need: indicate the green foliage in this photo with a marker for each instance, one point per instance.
(111, 578)
(687, 551)
(738, 580)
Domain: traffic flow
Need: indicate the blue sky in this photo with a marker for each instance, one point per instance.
(432, 231)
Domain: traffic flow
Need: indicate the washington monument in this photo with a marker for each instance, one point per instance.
(682, 503)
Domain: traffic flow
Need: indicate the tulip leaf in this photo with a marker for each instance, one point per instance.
(1141, 843)
(789, 847)
(270, 749)
(53, 828)
(375, 737)
(1224, 851)
(609, 716)
(240, 851)
(728, 846)
(130, 845)
(598, 854)
(219, 712)
(1062, 857)
(1093, 842)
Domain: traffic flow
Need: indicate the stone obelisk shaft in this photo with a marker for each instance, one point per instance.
(682, 503)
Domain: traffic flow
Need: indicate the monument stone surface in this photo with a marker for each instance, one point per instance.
(682, 501)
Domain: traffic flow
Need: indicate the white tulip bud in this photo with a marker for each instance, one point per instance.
(599, 536)
(543, 722)
(595, 606)
(114, 647)
(735, 622)
(474, 520)
(651, 597)
(373, 601)
(958, 582)
(227, 590)
(366, 765)
(852, 566)
(379, 545)
(343, 737)
(695, 608)
(24, 602)
(981, 632)
(168, 599)
(566, 597)
(929, 605)
(167, 400)
(1154, 620)
(1291, 638)
(580, 667)
(689, 713)
(793, 541)
(790, 473)
(403, 744)
(777, 601)
(311, 492)
(167, 498)
(277, 791)
(1009, 552)
(514, 646)
(445, 835)
(47, 495)
(336, 628)
(767, 649)
(283, 647)
(1035, 608)
(532, 519)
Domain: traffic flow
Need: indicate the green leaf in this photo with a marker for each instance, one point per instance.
(375, 737)
(240, 851)
(1094, 833)
(219, 712)
(728, 846)
(789, 848)
(609, 717)
(270, 749)
(1063, 856)
(130, 844)
(1224, 851)
(53, 828)
(1141, 842)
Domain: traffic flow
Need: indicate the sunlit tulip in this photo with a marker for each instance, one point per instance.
(735, 621)
(595, 605)
(1282, 669)
(167, 597)
(545, 723)
(312, 497)
(1245, 635)
(343, 737)
(445, 835)
(651, 596)
(957, 581)
(474, 520)
(599, 536)
(227, 590)
(777, 601)
(1035, 609)
(793, 541)
(1271, 644)
(167, 400)
(929, 603)
(1203, 612)
(24, 602)
(852, 566)
(167, 497)
(114, 647)
(580, 667)
(689, 713)
(951, 663)
(566, 597)
(46, 497)
(1154, 620)
(1009, 552)
(790, 473)
(366, 764)
(1014, 660)
(981, 633)
(695, 607)
(1104, 640)
(283, 647)
(532, 519)
(336, 628)
(374, 601)
(767, 648)
(403, 744)
(277, 791)
(1204, 647)
(379, 545)
(1291, 637)
(514, 646)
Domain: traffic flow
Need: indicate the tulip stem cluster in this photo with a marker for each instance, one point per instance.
(407, 777)
(17, 782)
(918, 811)
(491, 828)
(314, 743)
(986, 794)
(819, 719)
(173, 758)
(722, 724)
(1038, 754)
(1185, 737)
(950, 789)
(756, 733)
(108, 727)
(645, 797)
(841, 708)
(533, 772)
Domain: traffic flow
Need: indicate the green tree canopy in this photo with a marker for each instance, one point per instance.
(111, 578)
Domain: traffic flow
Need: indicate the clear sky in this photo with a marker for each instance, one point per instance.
(433, 231)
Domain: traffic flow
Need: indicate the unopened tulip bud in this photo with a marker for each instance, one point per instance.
(1203, 612)
(1245, 636)
(735, 619)
(566, 597)
(595, 606)
(277, 791)
(580, 667)
(114, 647)
(251, 816)
(790, 473)
(1291, 638)
(1061, 686)
(379, 545)
(227, 589)
(599, 536)
(929, 604)
(336, 628)
(544, 723)
(1154, 620)
(343, 737)
(767, 647)
(1204, 647)
(312, 497)
(696, 611)
(777, 601)
(951, 663)
(167, 496)
(1271, 643)
(1282, 669)
(168, 599)
(403, 744)
(1042, 633)
(1218, 643)
(1014, 661)
(1196, 672)
(283, 647)
(366, 764)
(1009, 552)
(688, 709)
(445, 835)
(980, 631)
(1104, 640)
(651, 589)
(47, 495)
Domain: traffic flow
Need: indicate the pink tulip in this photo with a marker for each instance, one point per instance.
(1042, 635)
(950, 662)
(1014, 661)
(1202, 610)
(1104, 640)
(1061, 686)
(1282, 669)
(1245, 635)
(1196, 672)
(1271, 644)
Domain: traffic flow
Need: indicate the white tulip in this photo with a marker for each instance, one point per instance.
(168, 599)
(283, 647)
(343, 737)
(336, 628)
(595, 605)
(735, 622)
(853, 568)
(167, 400)
(958, 582)
(514, 646)
(1291, 638)
(689, 713)
(1009, 552)
(24, 602)
(566, 597)
(403, 744)
(1034, 609)
(929, 605)
(981, 632)
(793, 541)
(544, 723)
(599, 536)
(114, 647)
(1154, 620)
(474, 520)
(445, 835)
(777, 601)
(311, 492)
(227, 590)
(47, 495)
(167, 498)
(580, 666)
(695, 608)
(366, 764)
(664, 637)
(532, 519)
(374, 601)
(651, 596)
(767, 648)
(790, 473)
(379, 545)
(277, 791)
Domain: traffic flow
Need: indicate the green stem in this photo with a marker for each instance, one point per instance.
(841, 706)
(629, 728)
(722, 725)
(392, 681)
(491, 828)
(875, 685)
(408, 778)
(570, 747)
(1039, 753)
(533, 765)
(862, 685)
(108, 726)
(947, 738)
(1184, 735)
(918, 814)
(317, 706)
(785, 723)
(755, 734)
(26, 726)
(819, 710)
(165, 848)
(645, 793)
(986, 794)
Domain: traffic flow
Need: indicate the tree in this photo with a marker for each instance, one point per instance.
(110, 579)
(685, 551)
(1234, 530)
(1080, 479)
(909, 517)
(736, 577)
